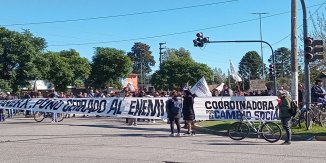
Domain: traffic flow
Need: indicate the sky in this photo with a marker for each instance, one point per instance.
(85, 24)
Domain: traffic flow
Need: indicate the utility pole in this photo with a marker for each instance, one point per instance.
(294, 51)
(306, 66)
(261, 43)
(161, 53)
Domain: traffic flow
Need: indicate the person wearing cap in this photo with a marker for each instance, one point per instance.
(284, 104)
(318, 92)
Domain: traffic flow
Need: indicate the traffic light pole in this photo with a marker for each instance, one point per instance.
(246, 41)
(306, 65)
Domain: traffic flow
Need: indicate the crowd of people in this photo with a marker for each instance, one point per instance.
(180, 103)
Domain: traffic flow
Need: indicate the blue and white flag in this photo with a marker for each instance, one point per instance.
(201, 89)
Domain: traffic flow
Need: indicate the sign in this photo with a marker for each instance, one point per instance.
(257, 85)
(209, 108)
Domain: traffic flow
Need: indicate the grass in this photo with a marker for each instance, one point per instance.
(222, 126)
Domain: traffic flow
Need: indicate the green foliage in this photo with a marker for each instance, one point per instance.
(285, 82)
(172, 54)
(60, 72)
(174, 74)
(282, 62)
(18, 51)
(142, 58)
(219, 76)
(250, 67)
(109, 65)
(80, 66)
(5, 86)
(318, 33)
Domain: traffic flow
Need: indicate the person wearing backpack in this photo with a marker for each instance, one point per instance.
(284, 107)
(173, 109)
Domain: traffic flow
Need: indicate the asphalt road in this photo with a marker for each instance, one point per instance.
(110, 140)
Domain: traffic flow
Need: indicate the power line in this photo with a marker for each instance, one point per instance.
(315, 12)
(183, 32)
(170, 34)
(120, 15)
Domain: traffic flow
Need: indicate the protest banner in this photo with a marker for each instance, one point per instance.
(208, 108)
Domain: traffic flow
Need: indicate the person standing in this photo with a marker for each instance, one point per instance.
(226, 91)
(318, 93)
(188, 111)
(2, 117)
(300, 95)
(54, 115)
(10, 111)
(173, 109)
(284, 106)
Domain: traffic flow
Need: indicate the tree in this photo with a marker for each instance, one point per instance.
(318, 33)
(175, 53)
(80, 66)
(250, 67)
(219, 76)
(4, 86)
(109, 65)
(60, 72)
(282, 62)
(142, 58)
(18, 51)
(174, 74)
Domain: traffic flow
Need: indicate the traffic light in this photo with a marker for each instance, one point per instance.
(200, 40)
(318, 50)
(309, 48)
(271, 71)
(312, 47)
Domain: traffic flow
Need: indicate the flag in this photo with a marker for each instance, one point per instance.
(234, 74)
(201, 89)
(186, 87)
(220, 87)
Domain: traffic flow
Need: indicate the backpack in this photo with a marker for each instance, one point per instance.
(175, 106)
(293, 109)
(175, 109)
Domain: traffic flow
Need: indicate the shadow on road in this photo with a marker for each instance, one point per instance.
(126, 127)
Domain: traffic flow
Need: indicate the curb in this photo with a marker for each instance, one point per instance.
(294, 137)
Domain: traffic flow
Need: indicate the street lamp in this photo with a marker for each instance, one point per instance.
(261, 39)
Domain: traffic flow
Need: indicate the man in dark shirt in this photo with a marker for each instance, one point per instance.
(318, 92)
(226, 91)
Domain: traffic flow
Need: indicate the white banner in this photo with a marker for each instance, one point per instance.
(209, 108)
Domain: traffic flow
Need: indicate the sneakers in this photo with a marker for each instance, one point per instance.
(192, 133)
(286, 143)
(178, 135)
(171, 135)
(187, 133)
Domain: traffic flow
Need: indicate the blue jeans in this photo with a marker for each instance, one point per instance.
(54, 117)
(10, 113)
(287, 128)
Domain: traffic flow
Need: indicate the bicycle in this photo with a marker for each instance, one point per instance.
(270, 131)
(40, 116)
(316, 114)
